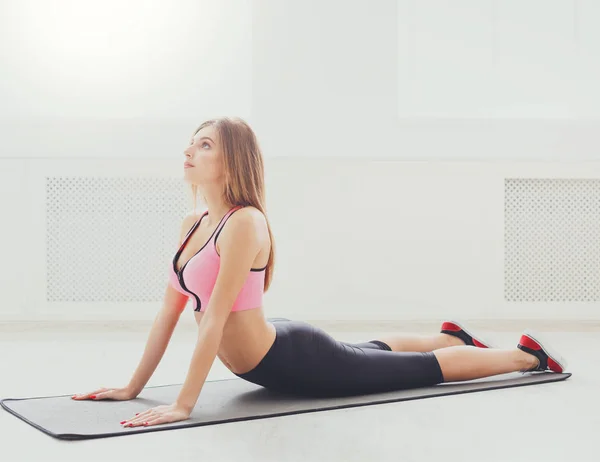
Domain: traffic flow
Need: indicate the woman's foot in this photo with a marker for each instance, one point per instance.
(458, 329)
(547, 358)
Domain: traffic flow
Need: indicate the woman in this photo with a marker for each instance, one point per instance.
(225, 263)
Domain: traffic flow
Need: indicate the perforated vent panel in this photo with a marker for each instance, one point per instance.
(552, 240)
(111, 239)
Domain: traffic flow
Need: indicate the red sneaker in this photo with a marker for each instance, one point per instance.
(549, 360)
(458, 330)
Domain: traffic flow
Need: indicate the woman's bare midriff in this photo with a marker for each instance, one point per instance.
(247, 336)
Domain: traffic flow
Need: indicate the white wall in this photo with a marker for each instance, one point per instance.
(504, 58)
(453, 95)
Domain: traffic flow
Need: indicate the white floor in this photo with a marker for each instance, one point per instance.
(550, 422)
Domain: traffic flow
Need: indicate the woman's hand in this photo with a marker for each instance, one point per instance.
(118, 394)
(158, 415)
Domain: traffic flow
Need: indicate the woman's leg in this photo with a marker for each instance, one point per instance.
(532, 353)
(452, 333)
(467, 363)
(307, 360)
(420, 343)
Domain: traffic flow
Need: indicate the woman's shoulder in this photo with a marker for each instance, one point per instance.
(249, 209)
(247, 218)
(249, 212)
(247, 221)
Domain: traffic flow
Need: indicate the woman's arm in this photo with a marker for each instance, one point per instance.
(162, 329)
(158, 339)
(239, 245)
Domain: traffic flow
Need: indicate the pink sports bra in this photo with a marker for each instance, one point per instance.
(198, 275)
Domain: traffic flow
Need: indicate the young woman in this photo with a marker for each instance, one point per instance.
(224, 264)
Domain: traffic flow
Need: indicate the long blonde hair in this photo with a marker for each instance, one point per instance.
(244, 172)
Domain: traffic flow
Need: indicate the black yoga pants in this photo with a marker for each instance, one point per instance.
(305, 360)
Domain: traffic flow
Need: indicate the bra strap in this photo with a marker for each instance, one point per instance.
(191, 230)
(226, 217)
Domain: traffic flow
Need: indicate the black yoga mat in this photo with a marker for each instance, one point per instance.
(221, 401)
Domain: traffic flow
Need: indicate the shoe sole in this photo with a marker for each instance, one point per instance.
(551, 352)
(468, 332)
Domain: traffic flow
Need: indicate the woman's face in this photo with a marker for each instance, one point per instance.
(204, 154)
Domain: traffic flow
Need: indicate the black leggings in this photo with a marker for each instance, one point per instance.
(305, 360)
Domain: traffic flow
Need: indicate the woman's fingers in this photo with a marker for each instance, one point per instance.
(143, 422)
(155, 421)
(140, 418)
(88, 395)
(135, 423)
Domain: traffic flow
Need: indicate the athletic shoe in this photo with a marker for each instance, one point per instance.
(549, 359)
(459, 330)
